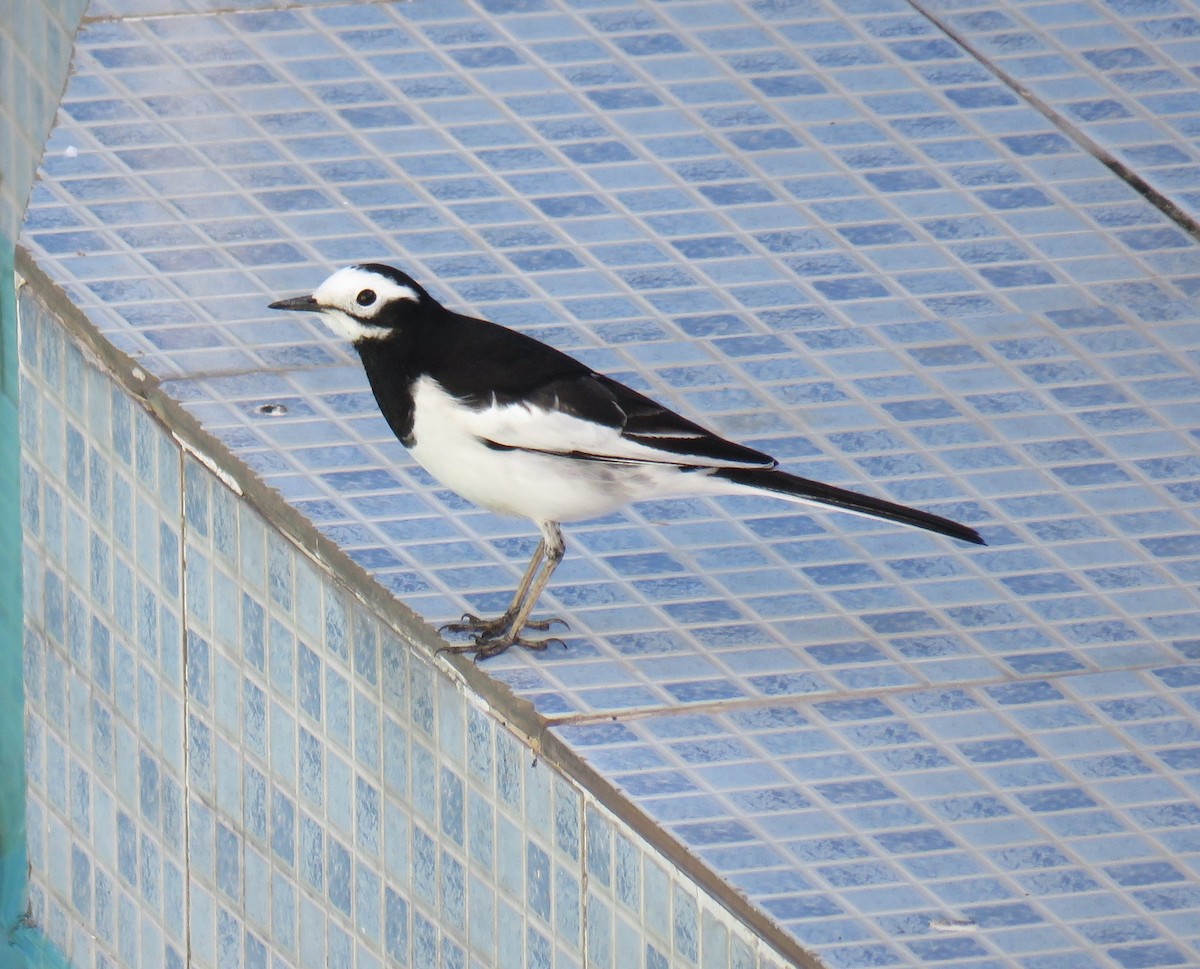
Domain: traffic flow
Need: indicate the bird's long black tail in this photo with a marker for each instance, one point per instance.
(802, 489)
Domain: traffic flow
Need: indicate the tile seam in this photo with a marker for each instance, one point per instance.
(810, 699)
(1160, 200)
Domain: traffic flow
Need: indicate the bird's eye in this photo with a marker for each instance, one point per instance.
(365, 298)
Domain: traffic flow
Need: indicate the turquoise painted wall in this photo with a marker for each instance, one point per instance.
(12, 774)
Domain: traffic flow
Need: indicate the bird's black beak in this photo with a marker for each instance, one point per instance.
(306, 303)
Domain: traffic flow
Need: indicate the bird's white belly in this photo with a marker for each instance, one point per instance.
(518, 483)
(543, 487)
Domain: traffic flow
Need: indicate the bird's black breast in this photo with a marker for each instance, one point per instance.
(392, 382)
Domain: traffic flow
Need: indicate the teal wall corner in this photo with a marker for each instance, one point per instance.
(13, 866)
(28, 948)
(8, 323)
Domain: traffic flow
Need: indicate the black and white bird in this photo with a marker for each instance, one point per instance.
(523, 429)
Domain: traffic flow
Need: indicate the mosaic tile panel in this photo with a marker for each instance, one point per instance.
(233, 762)
(1034, 823)
(104, 668)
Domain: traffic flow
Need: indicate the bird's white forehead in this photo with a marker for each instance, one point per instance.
(340, 291)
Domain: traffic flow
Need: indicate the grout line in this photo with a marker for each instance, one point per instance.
(183, 658)
(218, 11)
(800, 699)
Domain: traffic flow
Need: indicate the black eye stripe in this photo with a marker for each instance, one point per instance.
(365, 298)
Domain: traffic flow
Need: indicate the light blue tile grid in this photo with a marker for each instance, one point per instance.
(200, 699)
(105, 728)
(831, 234)
(1059, 817)
(1121, 74)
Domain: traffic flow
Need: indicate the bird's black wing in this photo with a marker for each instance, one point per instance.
(523, 388)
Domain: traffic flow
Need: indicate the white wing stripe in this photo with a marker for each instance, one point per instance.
(533, 428)
(672, 435)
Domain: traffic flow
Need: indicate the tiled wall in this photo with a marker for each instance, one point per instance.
(233, 762)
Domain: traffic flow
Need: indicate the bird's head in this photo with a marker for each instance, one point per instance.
(364, 302)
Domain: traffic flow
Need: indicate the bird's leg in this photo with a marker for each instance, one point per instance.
(492, 637)
(471, 623)
(499, 642)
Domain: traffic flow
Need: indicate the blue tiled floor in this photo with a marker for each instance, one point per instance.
(839, 232)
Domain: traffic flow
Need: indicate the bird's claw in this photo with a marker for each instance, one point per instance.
(480, 649)
(542, 625)
(470, 623)
(491, 637)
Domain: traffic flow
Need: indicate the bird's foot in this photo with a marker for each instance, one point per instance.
(491, 637)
